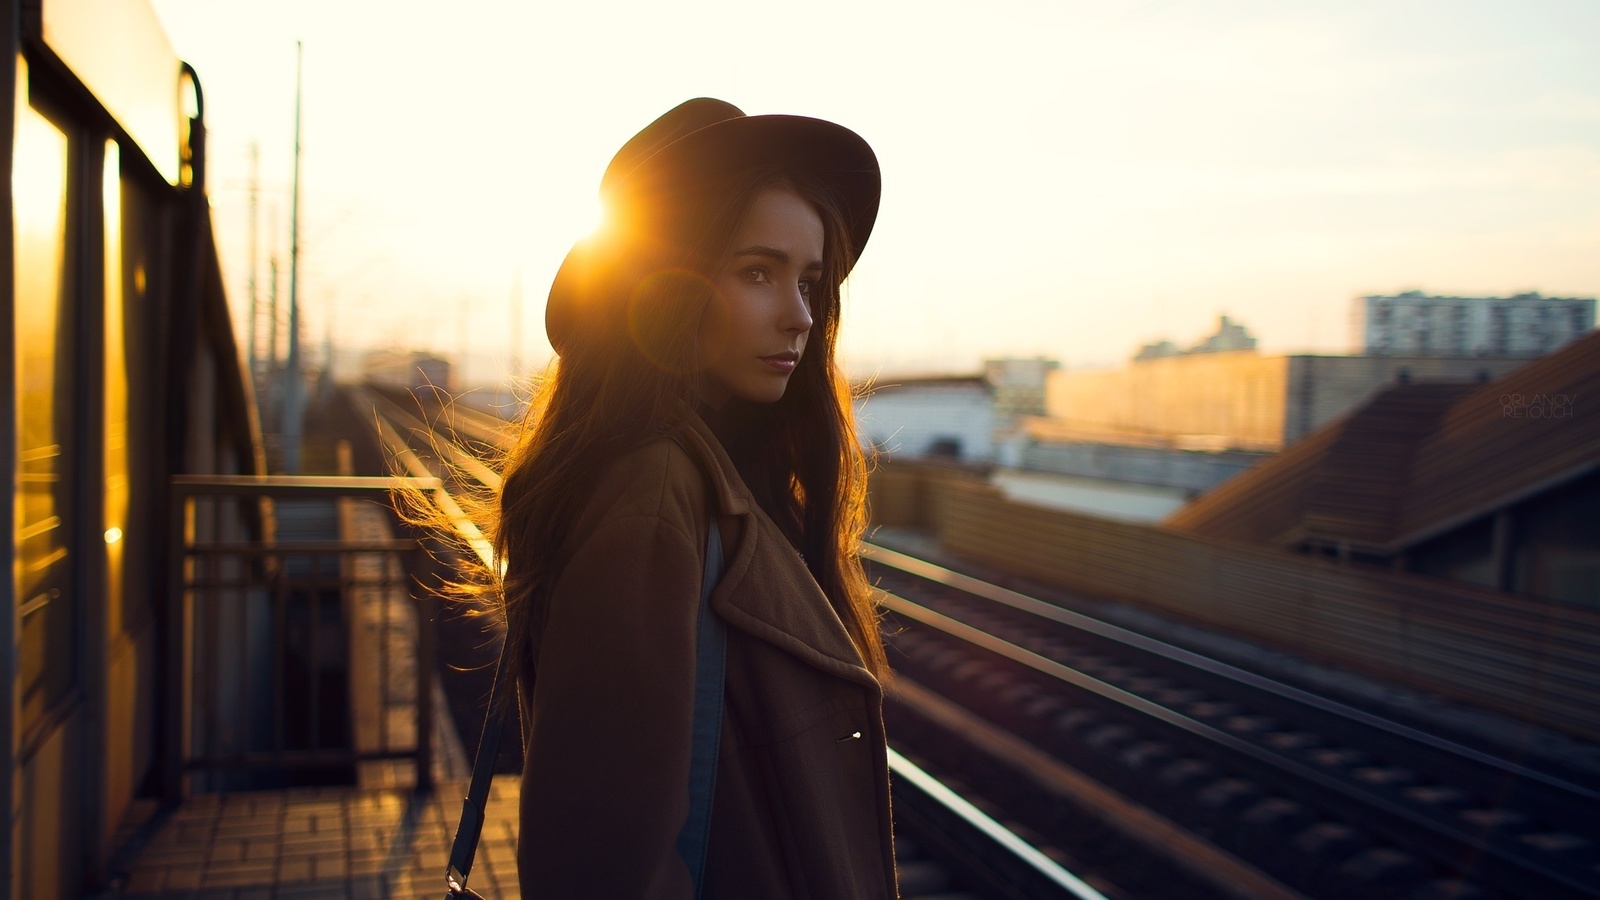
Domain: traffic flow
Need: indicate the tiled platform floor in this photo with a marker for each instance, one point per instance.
(322, 843)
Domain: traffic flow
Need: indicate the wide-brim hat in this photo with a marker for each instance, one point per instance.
(695, 141)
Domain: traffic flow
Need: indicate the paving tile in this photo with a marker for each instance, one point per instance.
(305, 840)
(174, 855)
(232, 878)
(181, 878)
(330, 865)
(322, 842)
(294, 870)
(144, 880)
(244, 829)
(262, 849)
(364, 866)
(497, 855)
(194, 832)
(225, 851)
(260, 871)
(313, 890)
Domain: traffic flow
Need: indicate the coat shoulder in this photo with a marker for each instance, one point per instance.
(657, 480)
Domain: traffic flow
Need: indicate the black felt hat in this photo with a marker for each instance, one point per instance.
(696, 140)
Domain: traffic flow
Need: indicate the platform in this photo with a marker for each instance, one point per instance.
(347, 842)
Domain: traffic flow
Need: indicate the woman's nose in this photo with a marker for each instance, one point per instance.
(797, 313)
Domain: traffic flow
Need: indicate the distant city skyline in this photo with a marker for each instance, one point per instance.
(1073, 180)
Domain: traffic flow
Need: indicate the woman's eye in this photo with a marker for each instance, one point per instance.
(755, 275)
(807, 288)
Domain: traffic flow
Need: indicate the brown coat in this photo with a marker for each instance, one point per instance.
(801, 807)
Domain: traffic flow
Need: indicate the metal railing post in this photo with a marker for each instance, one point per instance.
(175, 678)
(425, 609)
(210, 575)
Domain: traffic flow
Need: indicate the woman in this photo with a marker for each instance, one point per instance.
(696, 388)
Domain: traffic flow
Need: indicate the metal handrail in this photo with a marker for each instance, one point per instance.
(1039, 866)
(241, 592)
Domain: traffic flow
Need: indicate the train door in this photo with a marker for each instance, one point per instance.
(47, 159)
(97, 162)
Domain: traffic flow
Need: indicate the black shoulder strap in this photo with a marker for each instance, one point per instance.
(468, 830)
(711, 649)
(710, 655)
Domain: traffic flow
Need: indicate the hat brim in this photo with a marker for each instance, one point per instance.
(826, 152)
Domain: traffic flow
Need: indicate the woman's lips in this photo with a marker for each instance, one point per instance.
(782, 362)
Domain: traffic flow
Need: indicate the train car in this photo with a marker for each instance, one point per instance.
(123, 372)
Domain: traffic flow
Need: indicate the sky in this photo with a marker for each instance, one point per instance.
(1061, 177)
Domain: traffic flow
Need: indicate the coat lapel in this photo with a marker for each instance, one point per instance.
(766, 589)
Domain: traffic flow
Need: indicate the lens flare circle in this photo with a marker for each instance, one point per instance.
(665, 314)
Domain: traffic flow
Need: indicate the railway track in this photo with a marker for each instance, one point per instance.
(1165, 773)
(1321, 798)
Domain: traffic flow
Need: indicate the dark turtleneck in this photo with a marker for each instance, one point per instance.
(739, 427)
(733, 427)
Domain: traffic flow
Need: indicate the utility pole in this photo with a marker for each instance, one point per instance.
(457, 377)
(253, 358)
(294, 381)
(271, 395)
(516, 328)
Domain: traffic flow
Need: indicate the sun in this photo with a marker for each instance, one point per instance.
(589, 218)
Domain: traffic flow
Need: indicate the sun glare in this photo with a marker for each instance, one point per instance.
(589, 218)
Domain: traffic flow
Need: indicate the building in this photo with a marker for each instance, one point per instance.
(407, 369)
(1418, 324)
(1236, 400)
(950, 417)
(1494, 484)
(1018, 384)
(1230, 335)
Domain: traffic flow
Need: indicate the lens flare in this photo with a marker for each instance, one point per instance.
(665, 314)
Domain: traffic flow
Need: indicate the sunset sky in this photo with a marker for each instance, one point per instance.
(1061, 177)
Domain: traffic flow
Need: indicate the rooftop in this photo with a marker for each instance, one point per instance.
(1417, 460)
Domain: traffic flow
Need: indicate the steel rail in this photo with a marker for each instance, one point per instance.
(1000, 835)
(462, 459)
(933, 572)
(1339, 792)
(478, 426)
(462, 523)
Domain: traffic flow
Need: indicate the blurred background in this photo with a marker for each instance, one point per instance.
(1071, 180)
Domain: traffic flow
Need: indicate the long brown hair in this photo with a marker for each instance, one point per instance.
(630, 374)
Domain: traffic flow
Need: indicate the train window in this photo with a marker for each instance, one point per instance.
(115, 399)
(45, 352)
(189, 103)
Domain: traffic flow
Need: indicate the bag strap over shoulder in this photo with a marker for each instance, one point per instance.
(710, 675)
(465, 846)
(710, 671)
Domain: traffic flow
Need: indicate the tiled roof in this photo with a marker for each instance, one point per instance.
(1516, 436)
(1418, 460)
(1263, 504)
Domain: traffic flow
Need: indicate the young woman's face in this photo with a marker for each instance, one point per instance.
(756, 329)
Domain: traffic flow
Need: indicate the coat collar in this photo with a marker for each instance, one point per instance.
(766, 589)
